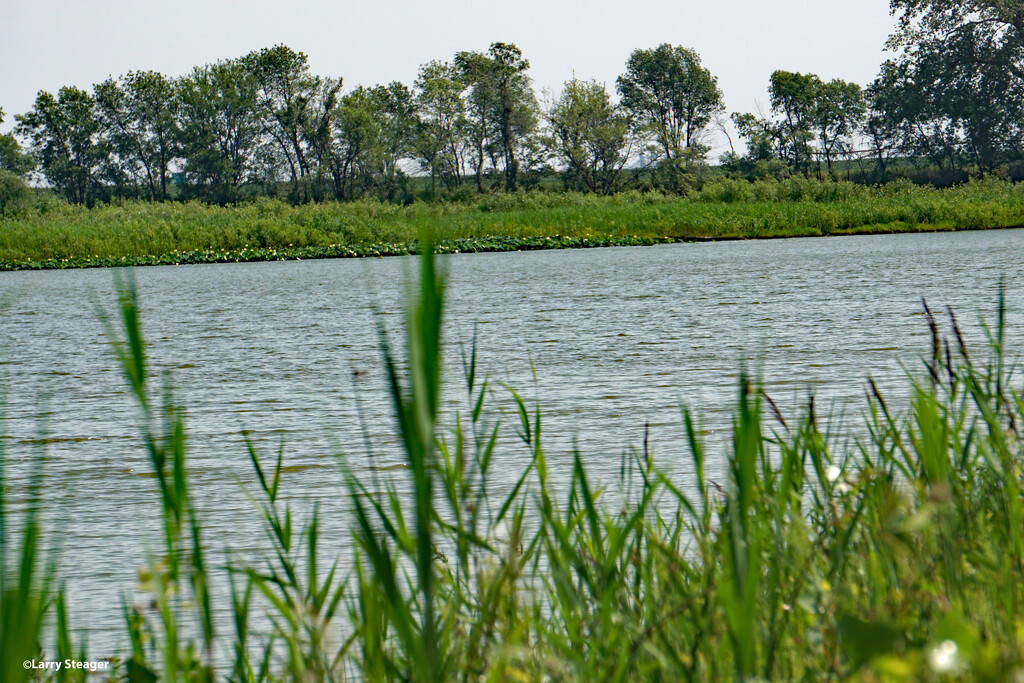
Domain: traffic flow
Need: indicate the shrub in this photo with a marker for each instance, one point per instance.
(726, 190)
(15, 195)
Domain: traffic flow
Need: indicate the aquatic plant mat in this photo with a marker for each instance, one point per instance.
(898, 558)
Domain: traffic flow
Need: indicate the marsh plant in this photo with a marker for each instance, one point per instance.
(136, 233)
(899, 557)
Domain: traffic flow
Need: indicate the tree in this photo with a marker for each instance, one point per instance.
(763, 136)
(318, 131)
(294, 107)
(12, 158)
(440, 144)
(357, 133)
(838, 112)
(765, 140)
(219, 129)
(15, 195)
(590, 135)
(501, 108)
(395, 111)
(978, 32)
(515, 108)
(955, 94)
(908, 109)
(376, 128)
(138, 118)
(811, 119)
(883, 126)
(473, 71)
(64, 134)
(672, 98)
(962, 73)
(794, 97)
(987, 104)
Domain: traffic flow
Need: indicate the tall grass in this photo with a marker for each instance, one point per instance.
(26, 578)
(900, 557)
(140, 233)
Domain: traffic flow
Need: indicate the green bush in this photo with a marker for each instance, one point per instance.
(725, 190)
(16, 197)
(774, 169)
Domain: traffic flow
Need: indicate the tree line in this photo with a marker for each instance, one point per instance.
(952, 101)
(264, 124)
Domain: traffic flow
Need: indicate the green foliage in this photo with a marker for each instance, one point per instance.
(794, 97)
(726, 190)
(763, 139)
(297, 111)
(949, 106)
(838, 114)
(441, 143)
(137, 114)
(501, 109)
(955, 92)
(813, 121)
(377, 129)
(16, 197)
(219, 130)
(140, 233)
(590, 135)
(884, 125)
(671, 99)
(64, 135)
(12, 159)
(989, 32)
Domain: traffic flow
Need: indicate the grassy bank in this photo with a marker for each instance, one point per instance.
(898, 558)
(139, 233)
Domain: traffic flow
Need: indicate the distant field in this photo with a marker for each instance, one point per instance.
(142, 233)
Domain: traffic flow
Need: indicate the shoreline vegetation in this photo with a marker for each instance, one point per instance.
(897, 557)
(138, 233)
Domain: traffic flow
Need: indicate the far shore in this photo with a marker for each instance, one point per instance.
(137, 233)
(478, 245)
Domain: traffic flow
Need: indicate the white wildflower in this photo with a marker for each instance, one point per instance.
(944, 658)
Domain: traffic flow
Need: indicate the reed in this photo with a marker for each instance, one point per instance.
(26, 576)
(141, 233)
(900, 557)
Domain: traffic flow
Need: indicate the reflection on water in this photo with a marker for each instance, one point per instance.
(607, 339)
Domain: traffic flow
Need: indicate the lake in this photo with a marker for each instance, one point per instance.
(608, 340)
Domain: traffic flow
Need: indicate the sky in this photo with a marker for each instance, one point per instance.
(47, 44)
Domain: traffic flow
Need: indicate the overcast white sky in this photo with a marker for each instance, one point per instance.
(45, 44)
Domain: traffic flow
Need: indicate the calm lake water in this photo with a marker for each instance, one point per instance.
(606, 339)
